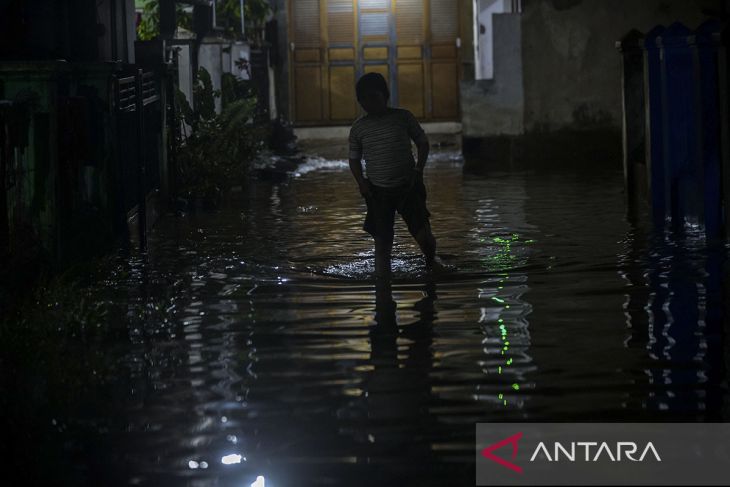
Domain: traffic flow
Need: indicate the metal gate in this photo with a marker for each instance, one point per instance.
(138, 121)
(413, 43)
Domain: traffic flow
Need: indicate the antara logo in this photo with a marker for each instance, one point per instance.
(626, 448)
(512, 440)
(592, 452)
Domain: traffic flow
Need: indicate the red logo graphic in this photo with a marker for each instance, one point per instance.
(487, 452)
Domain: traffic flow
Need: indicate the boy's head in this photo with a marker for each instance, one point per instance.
(372, 93)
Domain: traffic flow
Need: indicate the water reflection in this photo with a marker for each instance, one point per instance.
(506, 342)
(252, 344)
(397, 389)
(674, 311)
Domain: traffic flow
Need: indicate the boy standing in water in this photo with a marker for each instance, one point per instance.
(394, 180)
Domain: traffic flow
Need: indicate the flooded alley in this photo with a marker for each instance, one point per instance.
(199, 285)
(253, 342)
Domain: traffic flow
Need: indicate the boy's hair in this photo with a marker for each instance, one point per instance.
(372, 82)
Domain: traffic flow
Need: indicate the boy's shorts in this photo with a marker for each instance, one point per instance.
(409, 201)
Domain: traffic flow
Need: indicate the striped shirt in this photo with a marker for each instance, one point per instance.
(384, 141)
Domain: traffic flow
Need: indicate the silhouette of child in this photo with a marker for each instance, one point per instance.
(394, 180)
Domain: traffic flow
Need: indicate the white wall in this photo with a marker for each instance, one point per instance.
(484, 41)
(210, 57)
(496, 106)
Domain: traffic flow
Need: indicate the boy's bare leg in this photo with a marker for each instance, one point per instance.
(383, 248)
(427, 242)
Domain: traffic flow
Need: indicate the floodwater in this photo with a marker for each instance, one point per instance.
(265, 350)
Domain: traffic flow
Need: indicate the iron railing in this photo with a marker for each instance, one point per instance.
(134, 97)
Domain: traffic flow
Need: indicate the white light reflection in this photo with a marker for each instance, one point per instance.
(231, 459)
(260, 482)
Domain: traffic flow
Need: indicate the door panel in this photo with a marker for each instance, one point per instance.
(306, 23)
(342, 93)
(444, 21)
(378, 68)
(445, 86)
(374, 20)
(342, 54)
(308, 93)
(306, 55)
(410, 88)
(370, 53)
(409, 27)
(410, 52)
(443, 52)
(307, 60)
(410, 37)
(341, 71)
(340, 22)
(444, 90)
(374, 26)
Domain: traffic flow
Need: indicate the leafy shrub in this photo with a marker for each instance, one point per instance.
(149, 24)
(220, 146)
(256, 12)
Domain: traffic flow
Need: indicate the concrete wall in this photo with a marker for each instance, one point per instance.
(571, 78)
(210, 57)
(495, 106)
(571, 67)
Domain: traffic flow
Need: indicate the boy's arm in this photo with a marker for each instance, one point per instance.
(356, 163)
(416, 133)
(356, 168)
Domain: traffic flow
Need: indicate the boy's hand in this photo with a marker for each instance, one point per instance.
(364, 188)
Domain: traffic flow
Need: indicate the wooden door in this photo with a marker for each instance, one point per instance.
(306, 61)
(444, 60)
(412, 43)
(341, 60)
(411, 56)
(376, 39)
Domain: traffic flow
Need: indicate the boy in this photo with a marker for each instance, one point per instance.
(395, 181)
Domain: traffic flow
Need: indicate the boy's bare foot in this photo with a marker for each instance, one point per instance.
(381, 275)
(435, 264)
